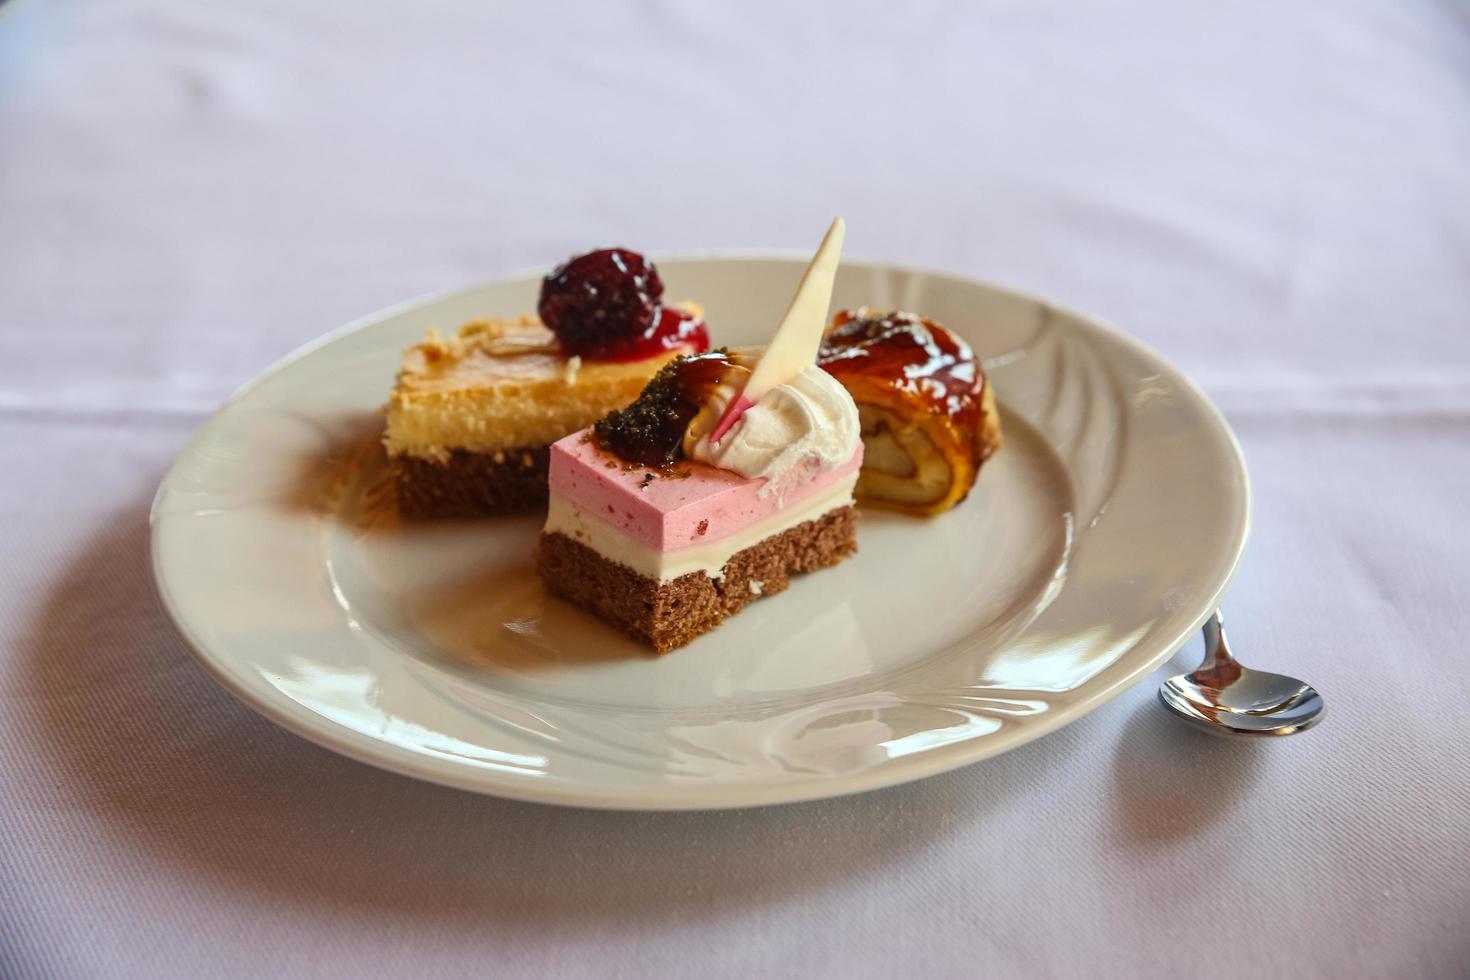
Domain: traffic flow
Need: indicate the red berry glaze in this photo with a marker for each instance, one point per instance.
(597, 300)
(673, 329)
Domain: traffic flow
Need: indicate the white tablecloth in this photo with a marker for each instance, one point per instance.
(1277, 196)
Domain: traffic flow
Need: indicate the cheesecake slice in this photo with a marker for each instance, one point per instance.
(473, 415)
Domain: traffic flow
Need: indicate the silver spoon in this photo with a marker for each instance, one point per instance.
(1225, 698)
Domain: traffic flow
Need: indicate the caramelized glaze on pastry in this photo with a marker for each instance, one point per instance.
(927, 411)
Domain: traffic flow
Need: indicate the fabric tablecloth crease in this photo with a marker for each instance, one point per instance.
(1276, 197)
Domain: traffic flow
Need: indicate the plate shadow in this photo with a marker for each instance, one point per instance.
(178, 767)
(1172, 782)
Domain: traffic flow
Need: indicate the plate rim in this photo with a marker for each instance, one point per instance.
(361, 747)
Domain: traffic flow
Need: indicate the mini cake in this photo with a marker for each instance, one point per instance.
(732, 472)
(928, 414)
(472, 416)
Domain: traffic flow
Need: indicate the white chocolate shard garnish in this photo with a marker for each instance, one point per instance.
(795, 344)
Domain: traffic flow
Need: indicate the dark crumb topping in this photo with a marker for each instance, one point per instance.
(650, 432)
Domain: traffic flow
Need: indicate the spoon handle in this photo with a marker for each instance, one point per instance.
(1217, 650)
(1219, 669)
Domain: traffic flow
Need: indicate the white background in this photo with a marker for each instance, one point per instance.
(1275, 195)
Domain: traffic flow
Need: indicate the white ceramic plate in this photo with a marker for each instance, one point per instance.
(1093, 546)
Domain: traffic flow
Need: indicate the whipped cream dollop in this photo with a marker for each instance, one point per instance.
(797, 430)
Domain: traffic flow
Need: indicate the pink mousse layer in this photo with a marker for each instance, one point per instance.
(668, 513)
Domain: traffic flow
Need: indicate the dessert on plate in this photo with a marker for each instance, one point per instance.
(472, 416)
(733, 471)
(927, 412)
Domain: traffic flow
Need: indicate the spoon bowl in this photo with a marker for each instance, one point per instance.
(1225, 698)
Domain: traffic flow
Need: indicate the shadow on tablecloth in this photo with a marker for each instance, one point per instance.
(1171, 781)
(141, 735)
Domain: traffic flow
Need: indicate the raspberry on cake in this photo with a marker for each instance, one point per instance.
(472, 416)
(663, 523)
(928, 414)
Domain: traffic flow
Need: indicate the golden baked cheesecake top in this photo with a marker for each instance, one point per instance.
(603, 330)
(504, 384)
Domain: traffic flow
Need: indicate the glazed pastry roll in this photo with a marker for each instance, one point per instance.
(927, 411)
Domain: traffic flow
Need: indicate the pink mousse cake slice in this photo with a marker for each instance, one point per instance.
(666, 554)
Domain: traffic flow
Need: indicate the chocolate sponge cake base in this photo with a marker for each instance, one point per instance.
(472, 484)
(667, 615)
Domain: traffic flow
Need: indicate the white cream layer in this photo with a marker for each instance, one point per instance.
(563, 517)
(808, 424)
